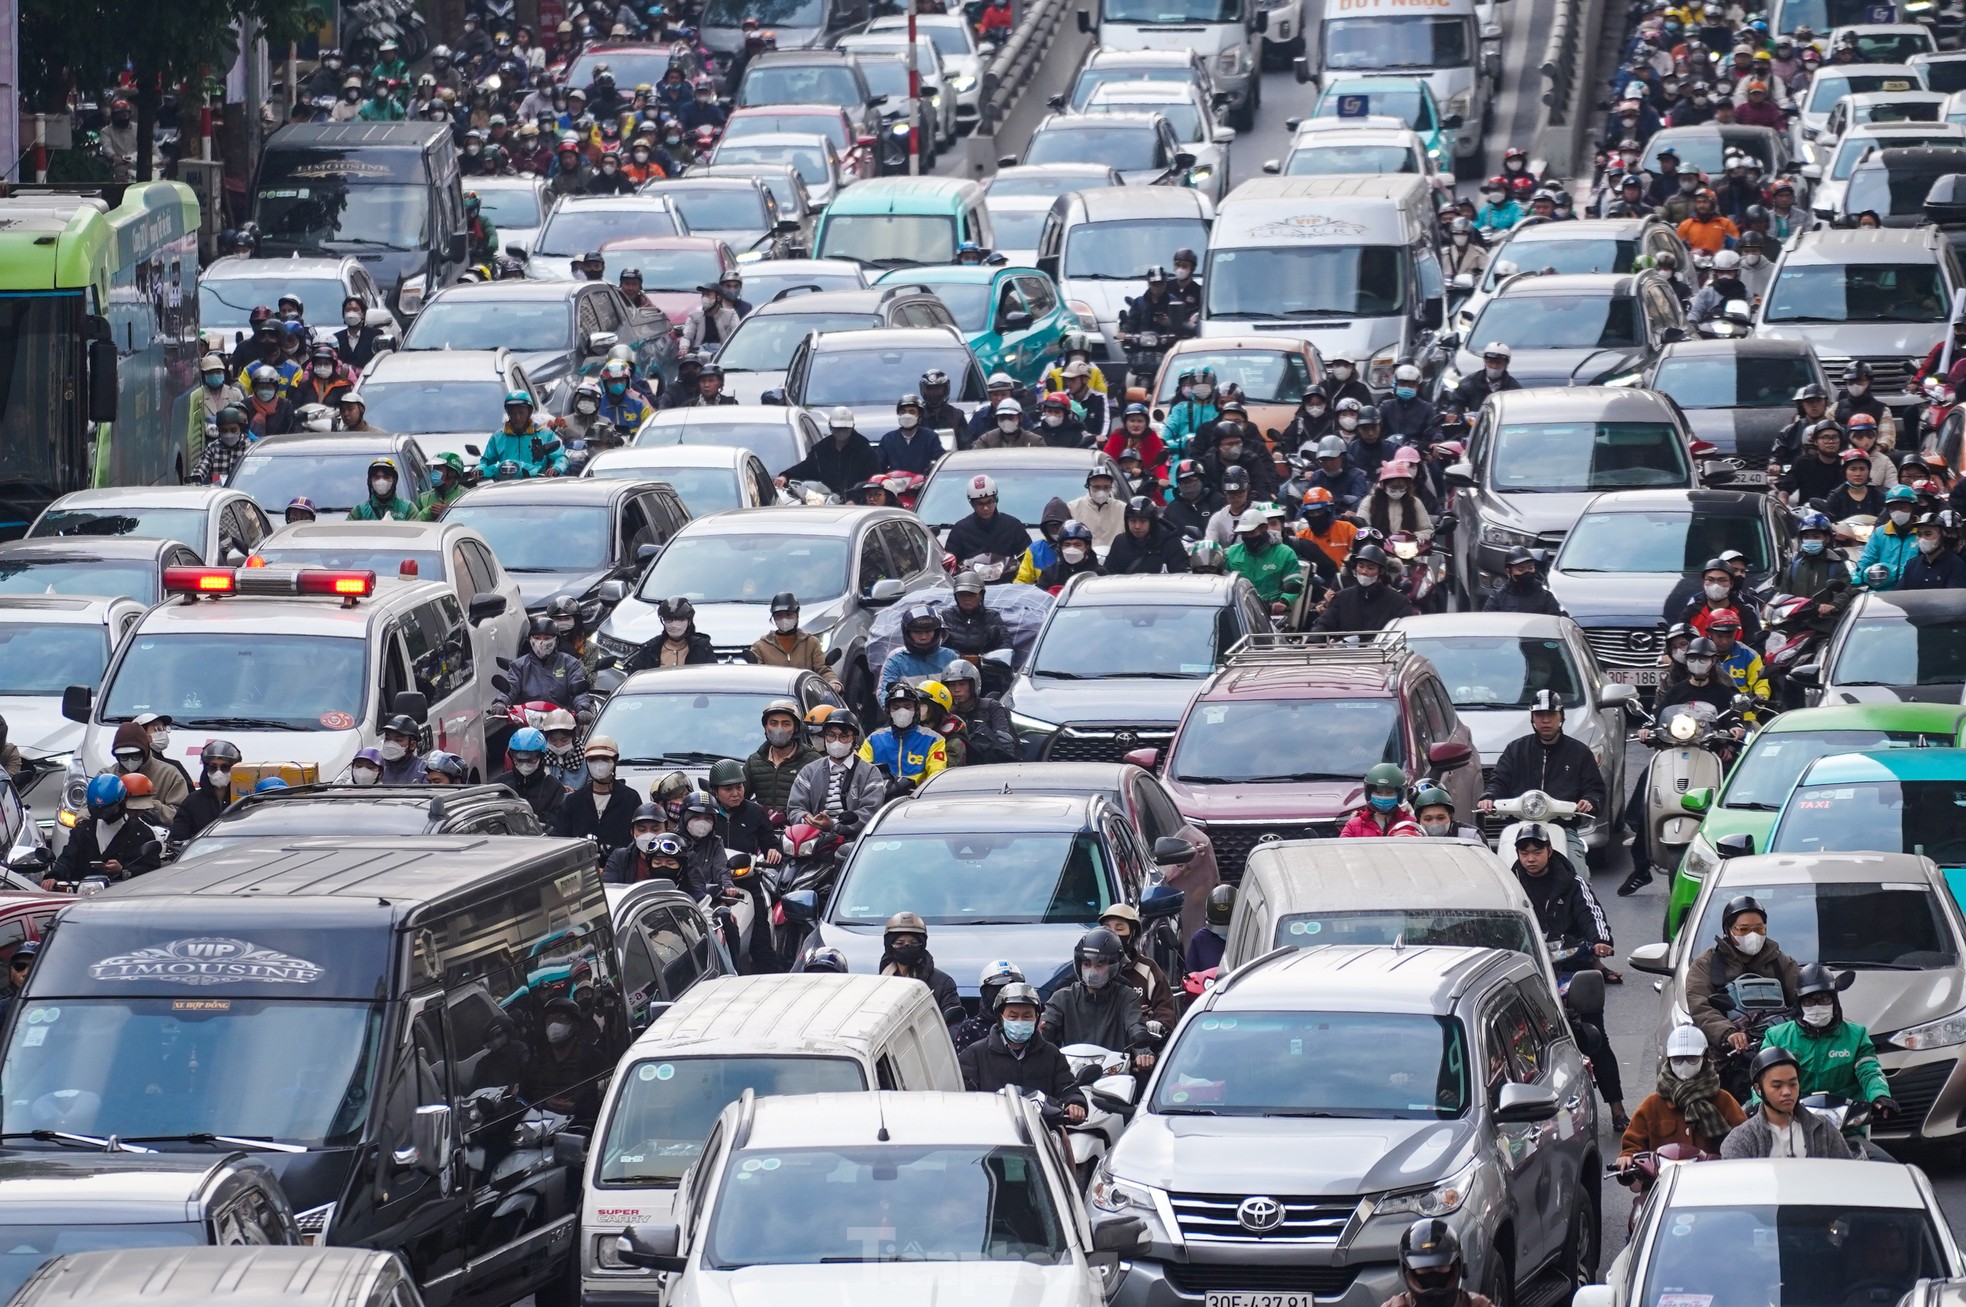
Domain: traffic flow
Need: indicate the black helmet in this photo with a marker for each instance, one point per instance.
(1187, 256)
(784, 602)
(1815, 978)
(1767, 1060)
(826, 960)
(650, 812)
(1221, 905)
(1141, 506)
(698, 804)
(402, 724)
(563, 605)
(1430, 1262)
(540, 624)
(1518, 556)
(1370, 554)
(678, 608)
(220, 751)
(1016, 992)
(920, 618)
(1099, 945)
(1740, 904)
(1810, 391)
(843, 717)
(1701, 647)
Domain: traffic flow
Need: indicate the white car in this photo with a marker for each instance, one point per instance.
(1324, 147)
(517, 206)
(707, 478)
(1830, 85)
(1832, 180)
(216, 521)
(584, 224)
(232, 287)
(955, 1199)
(962, 60)
(812, 156)
(1188, 114)
(1018, 221)
(1837, 1231)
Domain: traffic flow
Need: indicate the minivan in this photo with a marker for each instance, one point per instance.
(1097, 245)
(791, 1034)
(889, 222)
(372, 1016)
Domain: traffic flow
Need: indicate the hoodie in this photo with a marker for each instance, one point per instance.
(1041, 553)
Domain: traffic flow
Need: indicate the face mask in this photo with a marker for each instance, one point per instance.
(1182, 273)
(1460, 238)
(1752, 260)
(525, 766)
(1812, 546)
(393, 752)
(1899, 517)
(543, 647)
(1492, 371)
(1096, 976)
(601, 769)
(324, 370)
(352, 318)
(1019, 1032)
(1395, 493)
(641, 156)
(160, 741)
(699, 827)
(1819, 1015)
(1383, 802)
(214, 379)
(1100, 496)
(1685, 1068)
(129, 762)
(1366, 580)
(1444, 828)
(909, 955)
(617, 388)
(1699, 666)
(230, 437)
(1928, 546)
(837, 750)
(586, 407)
(559, 1032)
(1073, 553)
(264, 394)
(908, 421)
(1204, 392)
(1718, 592)
(471, 149)
(840, 434)
(364, 775)
(1406, 392)
(1348, 422)
(778, 736)
(1751, 942)
(645, 840)
(1317, 521)
(785, 625)
(903, 718)
(1054, 419)
(674, 630)
(1342, 371)
(219, 779)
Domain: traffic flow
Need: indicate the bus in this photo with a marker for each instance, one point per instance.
(99, 341)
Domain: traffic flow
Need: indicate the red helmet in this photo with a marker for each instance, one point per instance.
(1496, 183)
(1523, 186)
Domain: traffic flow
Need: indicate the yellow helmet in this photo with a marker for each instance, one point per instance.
(940, 693)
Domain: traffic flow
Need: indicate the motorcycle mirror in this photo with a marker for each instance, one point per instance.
(501, 683)
(801, 906)
(1742, 703)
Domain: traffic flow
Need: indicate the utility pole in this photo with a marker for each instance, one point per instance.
(914, 99)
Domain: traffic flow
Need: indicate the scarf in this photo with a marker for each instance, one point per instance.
(1695, 1100)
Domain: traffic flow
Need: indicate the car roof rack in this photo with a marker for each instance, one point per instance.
(1304, 648)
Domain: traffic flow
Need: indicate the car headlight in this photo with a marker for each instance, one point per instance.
(1440, 1200)
(1231, 60)
(1701, 858)
(1111, 1194)
(965, 83)
(1630, 377)
(1030, 725)
(1196, 176)
(1088, 320)
(1943, 1033)
(1379, 372)
(1503, 538)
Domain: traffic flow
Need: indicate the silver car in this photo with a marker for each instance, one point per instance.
(928, 66)
(962, 60)
(1193, 122)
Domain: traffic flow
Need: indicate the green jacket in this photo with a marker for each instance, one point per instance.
(1839, 1061)
(430, 505)
(1265, 569)
(374, 510)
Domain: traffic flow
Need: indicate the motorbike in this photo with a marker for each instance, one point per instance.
(735, 918)
(798, 886)
(1852, 1118)
(1790, 639)
(1753, 1005)
(1144, 351)
(995, 569)
(1423, 570)
(1643, 1171)
(1535, 805)
(1688, 740)
(1109, 1084)
(1854, 532)
(1735, 322)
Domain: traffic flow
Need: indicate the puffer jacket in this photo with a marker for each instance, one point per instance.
(1838, 1060)
(1112, 1017)
(1714, 970)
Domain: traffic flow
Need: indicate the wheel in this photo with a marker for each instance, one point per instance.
(1582, 1247)
(1245, 116)
(1501, 1281)
(1469, 168)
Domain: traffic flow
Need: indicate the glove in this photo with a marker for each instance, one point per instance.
(1885, 1105)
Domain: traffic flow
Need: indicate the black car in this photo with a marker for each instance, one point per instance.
(567, 535)
(1737, 396)
(554, 328)
(304, 811)
(814, 77)
(329, 467)
(1572, 329)
(92, 565)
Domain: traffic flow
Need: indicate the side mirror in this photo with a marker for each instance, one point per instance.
(1812, 172)
(1143, 758)
(1004, 658)
(1300, 67)
(502, 683)
(430, 1145)
(1006, 161)
(1673, 335)
(1273, 166)
(484, 607)
(517, 252)
(600, 342)
(1465, 281)
(1014, 320)
(738, 862)
(1594, 1295)
(1183, 159)
(1651, 958)
(379, 318)
(1085, 21)
(884, 591)
(1160, 902)
(1121, 1236)
(76, 701)
(1449, 754)
(611, 592)
(1696, 800)
(652, 1247)
(1525, 1104)
(645, 552)
(456, 250)
(103, 387)
(1616, 694)
(788, 226)
(1741, 703)
(1452, 122)
(412, 704)
(1173, 851)
(1224, 135)
(800, 905)
(1262, 23)
(1807, 674)
(1432, 314)
(1459, 474)
(1739, 845)
(773, 397)
(835, 655)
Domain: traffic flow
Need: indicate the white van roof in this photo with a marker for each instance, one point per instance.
(1375, 8)
(1379, 210)
(1356, 875)
(797, 1013)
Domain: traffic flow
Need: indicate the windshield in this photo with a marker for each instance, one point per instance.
(764, 342)
(1883, 924)
(720, 208)
(1366, 100)
(1851, 149)
(1307, 281)
(292, 1072)
(259, 681)
(1018, 229)
(540, 537)
(1397, 1065)
(229, 301)
(631, 65)
(666, 1108)
(1002, 878)
(1453, 927)
(748, 569)
(886, 75)
(830, 124)
(1022, 492)
(808, 160)
(968, 302)
(703, 490)
(1556, 255)
(1179, 111)
(1171, 11)
(37, 659)
(1944, 75)
(762, 281)
(1499, 671)
(1340, 160)
(1705, 150)
(771, 441)
(487, 322)
(1093, 78)
(512, 207)
(1562, 322)
(1658, 542)
(677, 270)
(446, 405)
(1774, 761)
(1263, 376)
(1090, 642)
(310, 818)
(1421, 41)
(1739, 381)
(1887, 816)
(1895, 111)
(1821, 15)
(1568, 457)
(1894, 651)
(1127, 149)
(576, 229)
(814, 83)
(949, 38)
(321, 212)
(884, 1203)
(1123, 251)
(1898, 190)
(184, 525)
(889, 238)
(1829, 86)
(871, 378)
(1795, 1255)
(24, 1246)
(1857, 292)
(80, 576)
(1285, 740)
(381, 559)
(681, 729)
(335, 482)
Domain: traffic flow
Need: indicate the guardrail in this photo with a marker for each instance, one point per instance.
(1018, 61)
(1569, 58)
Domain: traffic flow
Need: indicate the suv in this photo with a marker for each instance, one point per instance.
(1878, 296)
(806, 77)
(1572, 329)
(754, 357)
(867, 370)
(1315, 1103)
(1587, 245)
(450, 399)
(310, 810)
(560, 328)
(1277, 744)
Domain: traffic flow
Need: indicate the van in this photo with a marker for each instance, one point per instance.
(793, 1034)
(1303, 893)
(372, 1016)
(1346, 262)
(387, 193)
(1226, 33)
(236, 1277)
(887, 221)
(298, 665)
(1097, 244)
(1439, 41)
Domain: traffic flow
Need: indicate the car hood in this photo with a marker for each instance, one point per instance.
(1275, 802)
(1356, 338)
(1495, 728)
(1535, 514)
(1614, 598)
(749, 387)
(1942, 693)
(1559, 367)
(1130, 700)
(928, 1284)
(961, 951)
(1852, 339)
(1220, 1154)
(1747, 432)
(1106, 299)
(729, 626)
(1885, 1001)
(1141, 176)
(537, 587)
(36, 726)
(546, 365)
(676, 304)
(1205, 37)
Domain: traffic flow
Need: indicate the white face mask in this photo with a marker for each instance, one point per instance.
(543, 647)
(700, 827)
(1685, 1068)
(525, 766)
(1203, 392)
(1347, 421)
(1717, 591)
(219, 779)
(674, 630)
(908, 421)
(1899, 517)
(129, 763)
(324, 370)
(785, 625)
(160, 741)
(1183, 273)
(1100, 496)
(1073, 553)
(1819, 1015)
(1752, 260)
(352, 318)
(392, 751)
(1751, 942)
(1054, 419)
(364, 775)
(382, 487)
(1395, 493)
(601, 769)
(1859, 387)
(1699, 666)
(1315, 410)
(1460, 238)
(1007, 425)
(902, 717)
(586, 407)
(838, 749)
(1342, 371)
(1928, 544)
(1492, 371)
(645, 841)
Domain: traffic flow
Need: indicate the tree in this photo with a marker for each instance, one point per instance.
(164, 43)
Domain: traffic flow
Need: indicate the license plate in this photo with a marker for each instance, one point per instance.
(1260, 1300)
(1634, 675)
(1747, 476)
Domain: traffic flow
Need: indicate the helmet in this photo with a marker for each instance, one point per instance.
(1142, 507)
(909, 400)
(934, 377)
(1000, 972)
(1205, 556)
(1726, 261)
(1546, 701)
(1740, 905)
(1385, 775)
(677, 609)
(840, 717)
(1221, 905)
(269, 783)
(1430, 1255)
(698, 804)
(826, 960)
(518, 398)
(1767, 1060)
(939, 693)
(1395, 469)
(527, 739)
(981, 486)
(667, 845)
(1016, 992)
(1812, 521)
(841, 416)
(904, 923)
(1701, 647)
(1187, 256)
(1810, 391)
(1370, 554)
(541, 624)
(785, 706)
(901, 692)
(106, 792)
(1901, 494)
(1815, 978)
(1124, 912)
(726, 771)
(1099, 945)
(1075, 530)
(220, 751)
(403, 724)
(446, 764)
(963, 670)
(1432, 796)
(1317, 497)
(1331, 446)
(1686, 1041)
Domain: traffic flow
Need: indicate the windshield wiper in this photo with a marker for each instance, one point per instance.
(1049, 674)
(683, 755)
(110, 1145)
(1317, 313)
(1312, 1113)
(659, 1181)
(1880, 966)
(1243, 315)
(1296, 776)
(1186, 1111)
(206, 1137)
(245, 723)
(1210, 780)
(534, 571)
(1756, 807)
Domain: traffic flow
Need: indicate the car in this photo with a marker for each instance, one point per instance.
(1011, 316)
(1573, 329)
(810, 155)
(1892, 646)
(906, 124)
(1271, 371)
(1026, 479)
(780, 436)
(976, 1187)
(1738, 1228)
(1760, 780)
(1889, 801)
(687, 718)
(1103, 64)
(1277, 743)
(1537, 458)
(444, 550)
(1894, 182)
(1048, 181)
(868, 370)
(673, 268)
(1943, 71)
(1291, 1078)
(707, 478)
(1707, 146)
(1832, 178)
(329, 467)
(1884, 43)
(47, 643)
(831, 79)
(131, 566)
(1493, 664)
(1193, 121)
(955, 45)
(876, 49)
(1017, 221)
(1410, 100)
(229, 289)
(1589, 245)
(786, 185)
(1884, 108)
(1632, 554)
(581, 224)
(1325, 147)
(852, 139)
(632, 62)
(1020, 877)
(1098, 244)
(763, 281)
(451, 400)
(756, 356)
(842, 561)
(666, 942)
(94, 1202)
(1141, 146)
(517, 206)
(741, 211)
(1118, 659)
(571, 535)
(308, 811)
(553, 330)
(1838, 80)
(246, 1274)
(1736, 395)
(214, 520)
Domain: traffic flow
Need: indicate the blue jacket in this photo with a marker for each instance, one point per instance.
(902, 665)
(1184, 418)
(627, 413)
(1498, 217)
(899, 453)
(915, 753)
(1891, 547)
(504, 447)
(1347, 488)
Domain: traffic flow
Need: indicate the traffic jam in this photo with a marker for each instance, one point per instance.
(659, 680)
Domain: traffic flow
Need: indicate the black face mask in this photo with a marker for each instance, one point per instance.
(1731, 288)
(1317, 521)
(1527, 581)
(909, 955)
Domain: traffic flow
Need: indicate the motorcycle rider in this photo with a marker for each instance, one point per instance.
(134, 753)
(1321, 526)
(1723, 288)
(1433, 809)
(1466, 256)
(653, 852)
(705, 872)
(1892, 543)
(1207, 944)
(1856, 396)
(1742, 948)
(990, 982)
(1098, 509)
(1688, 1108)
(905, 749)
(213, 793)
(1099, 1007)
(970, 627)
(1523, 589)
(1194, 504)
(773, 767)
(528, 777)
(711, 322)
(401, 763)
(848, 458)
(923, 655)
(1141, 972)
(1856, 496)
(679, 645)
(1371, 603)
(116, 842)
(1493, 378)
(1816, 469)
(987, 732)
(221, 456)
(1194, 410)
(987, 530)
(1811, 406)
(1546, 759)
(1338, 474)
(1043, 552)
(522, 441)
(1147, 545)
(604, 806)
(1342, 380)
(787, 645)
(446, 486)
(1075, 557)
(904, 952)
(1817, 562)
(383, 503)
(1312, 421)
(910, 446)
(1238, 499)
(837, 790)
(1935, 567)
(743, 824)
(1834, 1054)
(1431, 1267)
(1780, 1126)
(1012, 1054)
(1003, 424)
(546, 672)
(1734, 657)
(1385, 787)
(1393, 506)
(1232, 445)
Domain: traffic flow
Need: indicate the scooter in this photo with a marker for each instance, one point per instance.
(1536, 806)
(1852, 1118)
(1688, 740)
(1110, 1087)
(798, 886)
(1645, 1168)
(736, 918)
(1790, 639)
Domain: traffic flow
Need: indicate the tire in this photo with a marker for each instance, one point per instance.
(1500, 1289)
(563, 1289)
(1246, 114)
(1583, 1247)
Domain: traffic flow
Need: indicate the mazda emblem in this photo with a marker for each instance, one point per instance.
(1639, 639)
(1260, 1215)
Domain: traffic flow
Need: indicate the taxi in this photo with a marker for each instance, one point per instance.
(1013, 318)
(1409, 99)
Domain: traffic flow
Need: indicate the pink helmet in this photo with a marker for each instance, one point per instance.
(1393, 469)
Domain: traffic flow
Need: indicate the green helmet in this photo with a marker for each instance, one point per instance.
(1432, 796)
(1385, 774)
(519, 397)
(728, 771)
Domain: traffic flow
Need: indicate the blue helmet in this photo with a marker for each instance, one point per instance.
(270, 783)
(1812, 522)
(527, 739)
(1076, 530)
(106, 792)
(1901, 493)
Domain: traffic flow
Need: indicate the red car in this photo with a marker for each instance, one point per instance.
(27, 916)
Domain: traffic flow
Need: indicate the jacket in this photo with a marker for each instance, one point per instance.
(357, 347)
(535, 451)
(1160, 551)
(1156, 994)
(770, 783)
(1891, 547)
(85, 846)
(1754, 1138)
(542, 792)
(1475, 388)
(805, 653)
(835, 465)
(696, 644)
(1348, 488)
(993, 1063)
(1003, 536)
(863, 791)
(1265, 569)
(714, 327)
(1709, 975)
(1405, 421)
(1535, 598)
(1189, 518)
(905, 665)
(1565, 770)
(1368, 824)
(395, 508)
(704, 873)
(1943, 570)
(1565, 906)
(1658, 1122)
(198, 811)
(1363, 608)
(1184, 418)
(1111, 1017)
(939, 984)
(915, 754)
(906, 451)
(988, 734)
(974, 633)
(558, 678)
(1054, 577)
(1106, 520)
(583, 813)
(1838, 1060)
(988, 437)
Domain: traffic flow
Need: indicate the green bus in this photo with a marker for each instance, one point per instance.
(99, 341)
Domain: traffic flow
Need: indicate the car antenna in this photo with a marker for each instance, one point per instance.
(880, 1110)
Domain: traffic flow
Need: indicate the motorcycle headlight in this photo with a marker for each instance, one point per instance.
(1449, 377)
(1684, 727)
(1439, 1200)
(1943, 1033)
(1535, 805)
(899, 129)
(1379, 373)
(410, 299)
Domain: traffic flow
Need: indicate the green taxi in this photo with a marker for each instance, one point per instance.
(1409, 99)
(1883, 801)
(1753, 793)
(1012, 317)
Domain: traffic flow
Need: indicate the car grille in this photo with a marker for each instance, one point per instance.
(1211, 1218)
(1889, 375)
(1916, 1089)
(1074, 742)
(1233, 842)
(1196, 1278)
(1625, 646)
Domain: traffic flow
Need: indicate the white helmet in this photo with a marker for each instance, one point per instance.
(1251, 520)
(842, 416)
(1686, 1041)
(1497, 347)
(1726, 261)
(1010, 408)
(1406, 372)
(316, 417)
(981, 487)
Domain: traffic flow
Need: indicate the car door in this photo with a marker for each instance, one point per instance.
(1047, 319)
(1514, 1052)
(444, 671)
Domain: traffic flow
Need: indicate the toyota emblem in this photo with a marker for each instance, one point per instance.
(1269, 837)
(1126, 739)
(1639, 639)
(1260, 1215)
